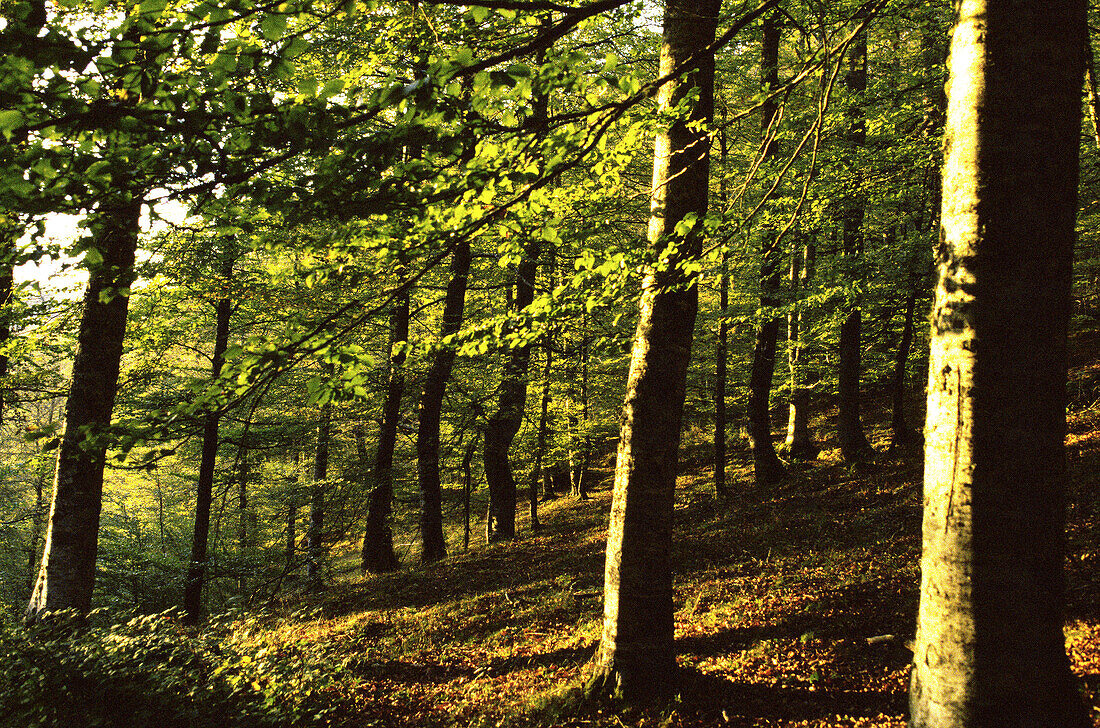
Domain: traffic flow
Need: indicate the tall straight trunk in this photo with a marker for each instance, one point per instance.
(467, 488)
(901, 434)
(196, 569)
(1090, 87)
(505, 422)
(799, 443)
(36, 526)
(378, 555)
(9, 234)
(579, 471)
(989, 649)
(433, 545)
(636, 658)
(66, 575)
(243, 526)
(853, 442)
(540, 444)
(315, 537)
(721, 352)
(766, 465)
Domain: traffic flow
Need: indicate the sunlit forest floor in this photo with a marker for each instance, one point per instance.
(794, 602)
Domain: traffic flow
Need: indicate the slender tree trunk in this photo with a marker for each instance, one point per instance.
(540, 444)
(636, 658)
(799, 443)
(505, 422)
(66, 575)
(434, 546)
(36, 526)
(196, 570)
(902, 435)
(766, 465)
(853, 442)
(315, 549)
(721, 354)
(467, 489)
(989, 649)
(9, 235)
(580, 477)
(243, 528)
(378, 555)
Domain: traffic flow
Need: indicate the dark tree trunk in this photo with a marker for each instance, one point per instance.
(540, 444)
(853, 442)
(636, 658)
(766, 465)
(66, 575)
(505, 422)
(901, 434)
(578, 475)
(434, 546)
(378, 555)
(467, 488)
(990, 649)
(315, 537)
(9, 234)
(721, 353)
(196, 570)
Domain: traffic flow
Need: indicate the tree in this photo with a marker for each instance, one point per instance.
(989, 649)
(636, 658)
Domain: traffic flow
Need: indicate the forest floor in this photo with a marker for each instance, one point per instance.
(794, 602)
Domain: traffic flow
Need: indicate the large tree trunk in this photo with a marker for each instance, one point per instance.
(636, 658)
(66, 575)
(853, 442)
(989, 649)
(196, 570)
(315, 536)
(505, 422)
(433, 545)
(378, 555)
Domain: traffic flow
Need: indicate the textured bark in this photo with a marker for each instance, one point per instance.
(433, 545)
(799, 443)
(721, 353)
(378, 555)
(989, 649)
(853, 442)
(315, 536)
(636, 658)
(196, 569)
(505, 422)
(66, 575)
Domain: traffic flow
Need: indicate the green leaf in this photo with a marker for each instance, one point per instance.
(10, 120)
(479, 13)
(331, 88)
(273, 26)
(308, 86)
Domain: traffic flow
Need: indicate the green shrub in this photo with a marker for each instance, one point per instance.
(150, 671)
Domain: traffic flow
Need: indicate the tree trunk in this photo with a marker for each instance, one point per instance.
(504, 424)
(378, 555)
(196, 570)
(989, 649)
(766, 465)
(799, 443)
(540, 445)
(853, 442)
(901, 434)
(315, 548)
(243, 526)
(433, 545)
(1090, 87)
(721, 353)
(9, 235)
(66, 575)
(636, 658)
(467, 488)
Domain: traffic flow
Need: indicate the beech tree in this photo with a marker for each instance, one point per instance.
(989, 649)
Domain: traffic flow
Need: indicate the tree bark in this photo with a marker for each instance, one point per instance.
(901, 434)
(636, 659)
(505, 422)
(799, 443)
(766, 465)
(66, 575)
(989, 649)
(9, 235)
(315, 548)
(378, 555)
(196, 570)
(433, 545)
(853, 442)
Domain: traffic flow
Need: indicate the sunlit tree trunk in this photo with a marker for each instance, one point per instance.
(378, 555)
(799, 443)
(766, 465)
(853, 441)
(636, 658)
(66, 575)
(196, 570)
(989, 649)
(433, 545)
